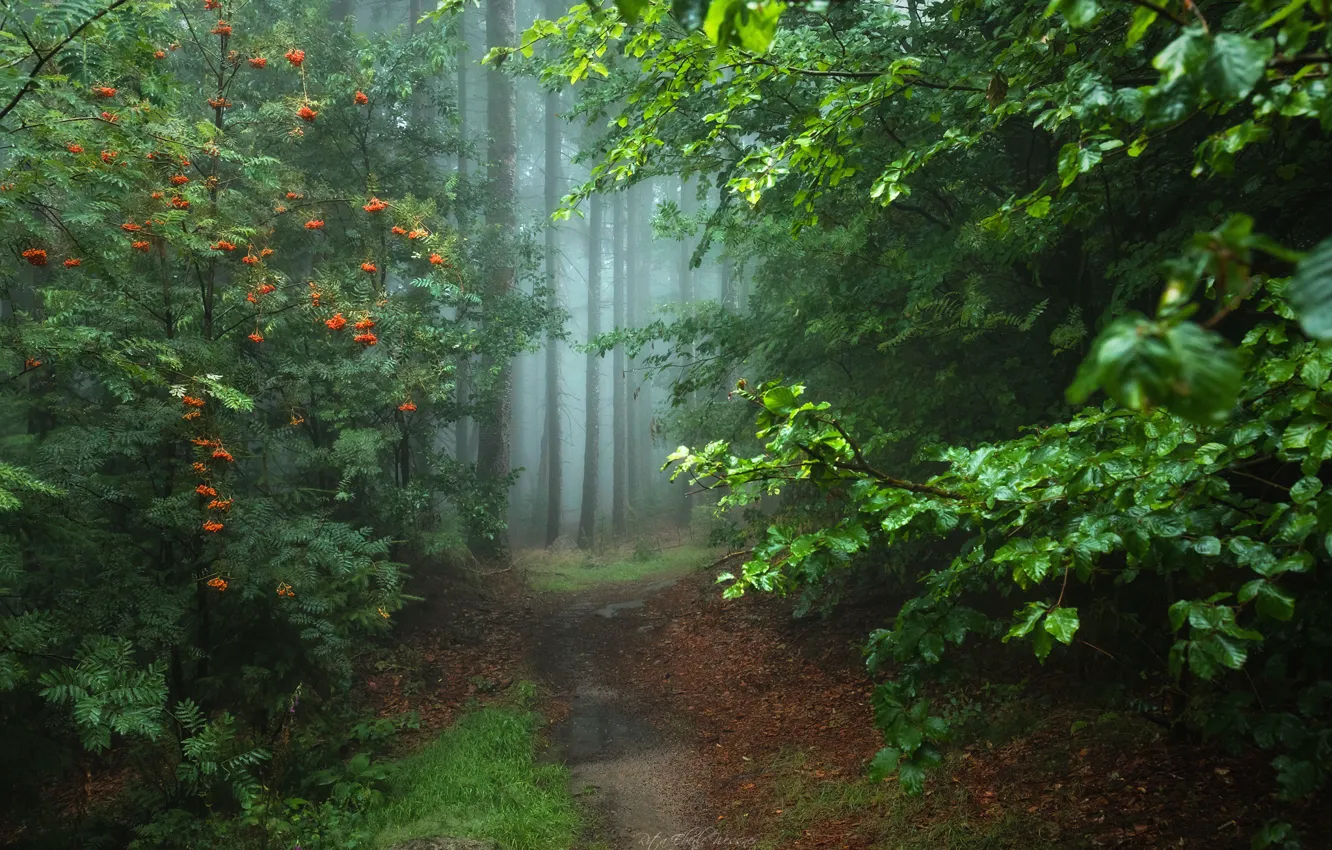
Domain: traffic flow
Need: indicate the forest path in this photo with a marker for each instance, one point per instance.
(632, 760)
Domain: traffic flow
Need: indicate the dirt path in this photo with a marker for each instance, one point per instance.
(632, 759)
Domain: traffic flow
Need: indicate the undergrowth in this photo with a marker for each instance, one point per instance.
(563, 571)
(481, 779)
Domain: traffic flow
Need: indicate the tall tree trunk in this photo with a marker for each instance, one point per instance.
(501, 124)
(463, 449)
(553, 469)
(619, 434)
(587, 519)
(685, 283)
(633, 299)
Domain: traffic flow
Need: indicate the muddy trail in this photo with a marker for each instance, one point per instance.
(632, 759)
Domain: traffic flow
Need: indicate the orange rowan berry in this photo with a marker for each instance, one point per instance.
(180, 203)
(35, 256)
(74, 148)
(364, 324)
(219, 583)
(191, 416)
(179, 180)
(368, 268)
(256, 337)
(366, 338)
(110, 117)
(131, 227)
(222, 454)
(224, 245)
(104, 91)
(156, 196)
(249, 259)
(220, 505)
(159, 54)
(336, 323)
(199, 468)
(398, 231)
(295, 57)
(306, 114)
(213, 527)
(314, 224)
(407, 407)
(141, 246)
(375, 206)
(259, 62)
(205, 490)
(107, 156)
(267, 252)
(361, 99)
(436, 260)
(72, 262)
(222, 28)
(265, 288)
(31, 363)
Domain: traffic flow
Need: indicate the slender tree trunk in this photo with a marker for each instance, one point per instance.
(553, 467)
(587, 520)
(633, 297)
(619, 434)
(463, 450)
(501, 123)
(685, 284)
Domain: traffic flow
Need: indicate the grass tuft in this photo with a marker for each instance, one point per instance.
(481, 779)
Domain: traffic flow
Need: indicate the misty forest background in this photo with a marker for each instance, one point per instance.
(1013, 313)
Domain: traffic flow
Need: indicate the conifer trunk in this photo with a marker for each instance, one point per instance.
(554, 471)
(587, 519)
(634, 281)
(619, 434)
(501, 122)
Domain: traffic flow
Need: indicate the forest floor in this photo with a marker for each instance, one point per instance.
(688, 720)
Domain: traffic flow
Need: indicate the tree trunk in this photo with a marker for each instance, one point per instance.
(619, 434)
(553, 469)
(501, 123)
(633, 408)
(685, 283)
(587, 519)
(463, 450)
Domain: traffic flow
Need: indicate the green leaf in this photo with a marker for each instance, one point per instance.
(1305, 489)
(1208, 546)
(1235, 65)
(884, 763)
(1143, 18)
(912, 777)
(1310, 291)
(1273, 602)
(631, 10)
(1078, 13)
(1063, 624)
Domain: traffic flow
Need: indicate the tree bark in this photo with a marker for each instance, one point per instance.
(685, 284)
(553, 468)
(633, 303)
(619, 434)
(501, 123)
(463, 449)
(587, 520)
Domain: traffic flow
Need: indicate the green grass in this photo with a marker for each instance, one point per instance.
(481, 779)
(570, 571)
(892, 820)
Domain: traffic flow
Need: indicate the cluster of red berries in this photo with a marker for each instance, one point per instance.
(213, 527)
(407, 407)
(74, 148)
(295, 57)
(131, 227)
(73, 262)
(364, 324)
(36, 256)
(180, 203)
(220, 505)
(265, 288)
(104, 91)
(284, 589)
(108, 156)
(314, 224)
(110, 117)
(219, 102)
(398, 231)
(366, 338)
(375, 206)
(259, 62)
(220, 453)
(219, 583)
(222, 28)
(140, 245)
(224, 245)
(306, 114)
(368, 268)
(337, 323)
(436, 260)
(205, 490)
(210, 5)
(256, 337)
(315, 294)
(179, 180)
(361, 99)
